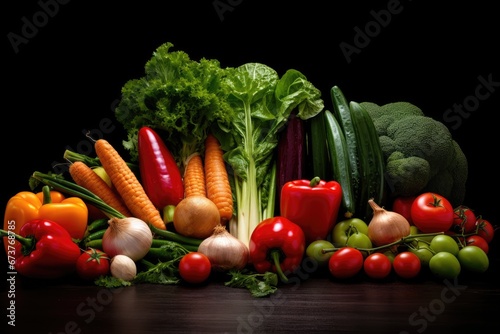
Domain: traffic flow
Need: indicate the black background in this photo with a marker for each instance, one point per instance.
(68, 74)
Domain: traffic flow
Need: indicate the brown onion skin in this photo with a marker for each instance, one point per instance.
(386, 226)
(225, 251)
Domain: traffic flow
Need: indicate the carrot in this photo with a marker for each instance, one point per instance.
(84, 176)
(194, 176)
(217, 179)
(127, 185)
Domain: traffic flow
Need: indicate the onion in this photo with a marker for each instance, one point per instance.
(121, 266)
(127, 236)
(196, 216)
(224, 251)
(386, 226)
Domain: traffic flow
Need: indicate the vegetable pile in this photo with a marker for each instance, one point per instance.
(244, 172)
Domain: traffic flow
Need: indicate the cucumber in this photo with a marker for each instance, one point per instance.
(341, 170)
(342, 112)
(318, 155)
(371, 161)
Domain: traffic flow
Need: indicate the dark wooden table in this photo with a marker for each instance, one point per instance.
(311, 303)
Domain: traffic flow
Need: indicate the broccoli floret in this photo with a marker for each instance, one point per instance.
(406, 176)
(408, 138)
(425, 138)
(445, 180)
(384, 116)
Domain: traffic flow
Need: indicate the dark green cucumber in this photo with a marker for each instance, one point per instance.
(341, 169)
(371, 161)
(342, 112)
(318, 157)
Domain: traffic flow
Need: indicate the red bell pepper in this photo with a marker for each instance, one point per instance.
(45, 250)
(160, 174)
(277, 245)
(313, 205)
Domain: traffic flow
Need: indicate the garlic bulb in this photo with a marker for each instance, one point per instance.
(127, 236)
(121, 266)
(224, 251)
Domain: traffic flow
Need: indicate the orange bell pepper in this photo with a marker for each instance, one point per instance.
(71, 213)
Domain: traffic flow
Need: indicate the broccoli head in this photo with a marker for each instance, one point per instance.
(420, 152)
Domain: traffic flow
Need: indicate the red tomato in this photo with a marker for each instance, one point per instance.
(464, 220)
(406, 264)
(377, 265)
(195, 267)
(346, 262)
(92, 263)
(485, 229)
(431, 212)
(476, 240)
(402, 205)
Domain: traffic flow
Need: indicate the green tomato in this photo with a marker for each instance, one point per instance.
(343, 229)
(359, 240)
(423, 252)
(473, 258)
(390, 254)
(444, 243)
(445, 265)
(314, 251)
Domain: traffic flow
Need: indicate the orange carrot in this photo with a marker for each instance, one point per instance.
(217, 179)
(84, 176)
(194, 177)
(127, 185)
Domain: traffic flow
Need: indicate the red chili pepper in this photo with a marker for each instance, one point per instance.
(277, 245)
(313, 205)
(45, 250)
(160, 174)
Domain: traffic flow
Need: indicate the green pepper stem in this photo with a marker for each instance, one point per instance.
(275, 256)
(47, 199)
(314, 181)
(25, 242)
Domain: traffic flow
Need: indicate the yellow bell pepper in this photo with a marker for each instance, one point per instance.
(71, 213)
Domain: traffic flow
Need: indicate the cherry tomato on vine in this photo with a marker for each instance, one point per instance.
(473, 258)
(377, 265)
(445, 265)
(315, 251)
(344, 228)
(464, 220)
(406, 264)
(92, 263)
(345, 262)
(423, 251)
(195, 267)
(476, 240)
(431, 212)
(359, 240)
(485, 229)
(402, 205)
(444, 243)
